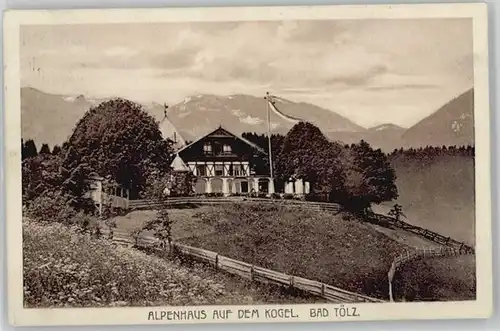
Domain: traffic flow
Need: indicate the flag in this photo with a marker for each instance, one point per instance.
(275, 110)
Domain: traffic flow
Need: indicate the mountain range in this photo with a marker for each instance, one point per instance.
(50, 118)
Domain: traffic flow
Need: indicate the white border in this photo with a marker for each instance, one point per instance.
(480, 308)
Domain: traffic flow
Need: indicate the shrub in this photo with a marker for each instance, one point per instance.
(161, 226)
(51, 207)
(213, 195)
(275, 196)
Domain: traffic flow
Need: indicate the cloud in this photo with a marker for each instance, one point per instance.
(119, 51)
(403, 87)
(359, 78)
(251, 120)
(359, 68)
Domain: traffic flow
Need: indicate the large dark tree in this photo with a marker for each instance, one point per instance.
(369, 177)
(29, 149)
(261, 164)
(45, 149)
(118, 139)
(56, 150)
(307, 154)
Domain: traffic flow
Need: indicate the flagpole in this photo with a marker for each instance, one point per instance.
(271, 182)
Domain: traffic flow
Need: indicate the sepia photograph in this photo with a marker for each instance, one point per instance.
(281, 166)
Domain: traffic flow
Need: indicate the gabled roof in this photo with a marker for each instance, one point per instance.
(179, 165)
(246, 141)
(169, 131)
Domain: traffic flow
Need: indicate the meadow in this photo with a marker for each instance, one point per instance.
(340, 251)
(336, 249)
(64, 268)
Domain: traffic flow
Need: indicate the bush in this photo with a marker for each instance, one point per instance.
(288, 196)
(213, 195)
(51, 207)
(275, 196)
(239, 194)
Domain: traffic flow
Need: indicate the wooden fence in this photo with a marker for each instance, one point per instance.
(429, 235)
(409, 255)
(251, 272)
(171, 202)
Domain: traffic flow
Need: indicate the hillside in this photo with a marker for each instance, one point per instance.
(437, 279)
(51, 118)
(47, 117)
(339, 251)
(452, 124)
(437, 194)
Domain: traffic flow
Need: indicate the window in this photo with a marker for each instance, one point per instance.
(207, 148)
(201, 170)
(227, 149)
(219, 170)
(238, 170)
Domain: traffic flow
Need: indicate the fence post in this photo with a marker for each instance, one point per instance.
(391, 299)
(322, 289)
(291, 281)
(251, 273)
(390, 276)
(216, 261)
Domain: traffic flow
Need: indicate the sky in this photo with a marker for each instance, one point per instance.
(370, 71)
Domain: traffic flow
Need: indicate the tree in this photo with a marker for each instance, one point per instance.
(369, 178)
(308, 155)
(176, 183)
(182, 183)
(45, 149)
(45, 174)
(29, 149)
(119, 139)
(56, 150)
(40, 174)
(396, 212)
(161, 226)
(261, 164)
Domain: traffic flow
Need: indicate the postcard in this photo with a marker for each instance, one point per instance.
(247, 164)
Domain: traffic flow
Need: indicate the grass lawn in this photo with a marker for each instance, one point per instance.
(63, 268)
(435, 279)
(311, 244)
(186, 222)
(295, 241)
